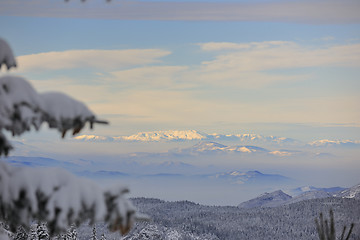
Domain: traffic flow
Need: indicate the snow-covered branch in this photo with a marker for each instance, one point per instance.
(54, 196)
(60, 199)
(21, 107)
(6, 55)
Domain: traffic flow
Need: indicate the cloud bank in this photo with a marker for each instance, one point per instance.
(92, 58)
(310, 12)
(231, 80)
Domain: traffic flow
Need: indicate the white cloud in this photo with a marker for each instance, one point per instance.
(150, 75)
(316, 11)
(197, 95)
(281, 55)
(97, 59)
(332, 143)
(235, 64)
(221, 46)
(245, 64)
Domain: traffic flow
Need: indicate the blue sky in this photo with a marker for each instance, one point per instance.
(214, 66)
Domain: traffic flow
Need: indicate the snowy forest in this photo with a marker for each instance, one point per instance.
(184, 220)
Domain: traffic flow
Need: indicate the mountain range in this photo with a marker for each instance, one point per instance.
(193, 135)
(278, 198)
(189, 135)
(250, 177)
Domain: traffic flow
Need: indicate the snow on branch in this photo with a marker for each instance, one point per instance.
(54, 196)
(6, 55)
(21, 107)
(60, 199)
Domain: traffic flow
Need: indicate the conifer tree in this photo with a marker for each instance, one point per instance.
(71, 233)
(21, 234)
(103, 237)
(33, 232)
(42, 232)
(94, 237)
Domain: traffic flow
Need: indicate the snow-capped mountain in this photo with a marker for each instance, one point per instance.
(334, 143)
(93, 138)
(249, 177)
(278, 198)
(309, 195)
(171, 135)
(304, 189)
(353, 192)
(213, 147)
(217, 148)
(190, 135)
(272, 199)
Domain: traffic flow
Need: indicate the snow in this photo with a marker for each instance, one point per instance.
(20, 105)
(327, 142)
(6, 55)
(191, 135)
(64, 112)
(281, 153)
(58, 197)
(165, 135)
(90, 138)
(3, 235)
(22, 108)
(353, 192)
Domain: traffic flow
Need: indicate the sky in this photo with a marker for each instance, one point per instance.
(275, 68)
(236, 66)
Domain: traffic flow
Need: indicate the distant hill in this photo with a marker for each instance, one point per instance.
(250, 177)
(303, 189)
(279, 198)
(38, 162)
(272, 199)
(309, 195)
(353, 192)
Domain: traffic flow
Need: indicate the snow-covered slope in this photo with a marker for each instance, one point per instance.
(304, 189)
(272, 199)
(353, 192)
(309, 195)
(278, 198)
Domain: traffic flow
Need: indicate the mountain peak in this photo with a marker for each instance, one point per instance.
(208, 146)
(172, 135)
(272, 199)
